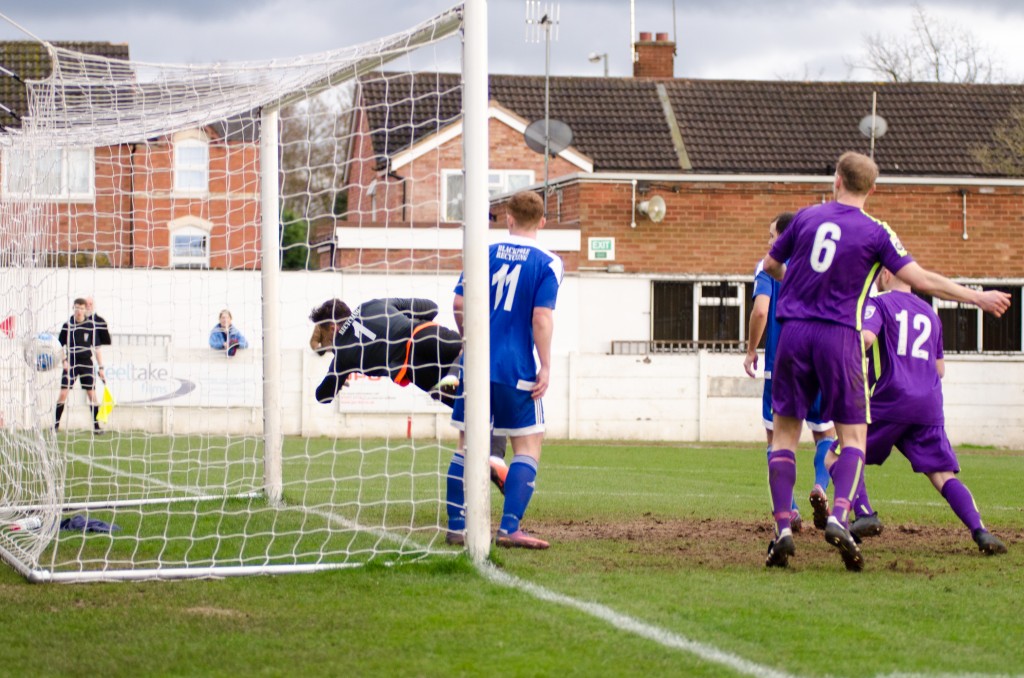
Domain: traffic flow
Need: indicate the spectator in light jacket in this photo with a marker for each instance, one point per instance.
(225, 336)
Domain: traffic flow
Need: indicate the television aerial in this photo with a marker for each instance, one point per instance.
(557, 139)
(873, 126)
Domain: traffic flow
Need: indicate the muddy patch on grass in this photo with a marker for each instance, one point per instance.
(715, 544)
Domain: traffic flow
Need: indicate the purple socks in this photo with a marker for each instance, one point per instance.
(962, 503)
(846, 474)
(781, 479)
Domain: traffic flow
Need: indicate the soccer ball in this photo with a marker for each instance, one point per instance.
(43, 352)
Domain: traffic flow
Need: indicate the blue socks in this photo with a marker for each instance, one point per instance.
(821, 476)
(519, 484)
(456, 502)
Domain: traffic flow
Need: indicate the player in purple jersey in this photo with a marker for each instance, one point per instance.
(827, 260)
(524, 286)
(764, 323)
(906, 368)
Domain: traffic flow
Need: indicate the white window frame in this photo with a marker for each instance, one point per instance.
(64, 193)
(189, 226)
(191, 139)
(739, 299)
(498, 184)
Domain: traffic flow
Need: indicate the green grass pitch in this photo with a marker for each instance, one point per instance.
(670, 535)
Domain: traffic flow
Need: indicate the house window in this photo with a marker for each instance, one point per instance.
(191, 162)
(720, 305)
(672, 313)
(190, 243)
(56, 174)
(967, 329)
(499, 182)
(699, 314)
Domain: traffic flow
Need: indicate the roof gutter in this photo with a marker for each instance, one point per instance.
(629, 177)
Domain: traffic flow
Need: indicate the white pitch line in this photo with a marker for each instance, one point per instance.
(632, 625)
(942, 504)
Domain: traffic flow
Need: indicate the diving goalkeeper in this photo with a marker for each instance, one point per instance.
(393, 338)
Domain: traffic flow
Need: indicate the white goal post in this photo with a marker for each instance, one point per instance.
(167, 195)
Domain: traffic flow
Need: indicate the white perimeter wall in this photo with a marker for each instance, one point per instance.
(185, 387)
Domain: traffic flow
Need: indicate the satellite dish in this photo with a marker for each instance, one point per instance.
(653, 208)
(876, 121)
(559, 136)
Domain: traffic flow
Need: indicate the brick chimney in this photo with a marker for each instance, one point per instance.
(654, 58)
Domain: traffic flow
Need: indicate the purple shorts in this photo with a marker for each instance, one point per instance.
(926, 447)
(814, 419)
(823, 356)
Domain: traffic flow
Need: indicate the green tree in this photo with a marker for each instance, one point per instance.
(294, 242)
(1005, 154)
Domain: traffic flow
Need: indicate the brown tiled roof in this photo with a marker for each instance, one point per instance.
(618, 122)
(802, 127)
(727, 126)
(29, 61)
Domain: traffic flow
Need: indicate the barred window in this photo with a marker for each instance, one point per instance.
(699, 314)
(672, 315)
(967, 329)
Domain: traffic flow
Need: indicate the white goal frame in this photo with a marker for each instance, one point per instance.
(471, 18)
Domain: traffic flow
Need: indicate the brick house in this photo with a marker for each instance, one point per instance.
(725, 156)
(186, 200)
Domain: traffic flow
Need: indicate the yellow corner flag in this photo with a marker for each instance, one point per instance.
(106, 405)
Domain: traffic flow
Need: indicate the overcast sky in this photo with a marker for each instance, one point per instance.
(732, 39)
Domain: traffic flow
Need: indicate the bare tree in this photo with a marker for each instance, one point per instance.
(1005, 154)
(933, 51)
(314, 141)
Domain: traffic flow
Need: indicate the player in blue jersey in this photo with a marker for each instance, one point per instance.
(764, 323)
(906, 368)
(524, 286)
(827, 260)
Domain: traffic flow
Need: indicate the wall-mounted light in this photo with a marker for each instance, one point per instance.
(653, 208)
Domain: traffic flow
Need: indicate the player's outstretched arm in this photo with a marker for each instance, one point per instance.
(334, 381)
(929, 282)
(758, 321)
(543, 330)
(775, 269)
(458, 308)
(420, 310)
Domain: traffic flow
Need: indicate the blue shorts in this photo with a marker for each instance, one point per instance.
(814, 420)
(926, 447)
(820, 357)
(514, 412)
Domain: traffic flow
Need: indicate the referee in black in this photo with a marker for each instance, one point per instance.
(79, 338)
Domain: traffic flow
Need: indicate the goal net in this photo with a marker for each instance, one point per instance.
(165, 196)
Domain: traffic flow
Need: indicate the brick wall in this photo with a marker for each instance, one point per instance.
(654, 58)
(720, 228)
(127, 222)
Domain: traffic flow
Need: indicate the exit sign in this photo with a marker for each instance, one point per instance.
(601, 249)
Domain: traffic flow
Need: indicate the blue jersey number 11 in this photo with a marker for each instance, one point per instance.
(504, 279)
